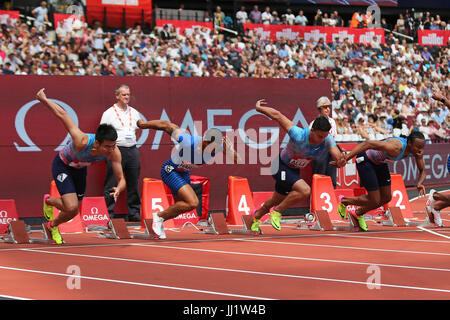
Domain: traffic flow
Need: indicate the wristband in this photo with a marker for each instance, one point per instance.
(443, 100)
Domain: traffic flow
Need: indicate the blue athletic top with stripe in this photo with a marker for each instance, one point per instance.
(298, 153)
(379, 157)
(80, 159)
(188, 155)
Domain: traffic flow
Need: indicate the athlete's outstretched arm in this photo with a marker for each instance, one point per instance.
(116, 164)
(79, 138)
(338, 156)
(422, 173)
(387, 146)
(274, 114)
(170, 128)
(229, 150)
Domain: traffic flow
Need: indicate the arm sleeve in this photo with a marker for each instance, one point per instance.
(296, 133)
(329, 141)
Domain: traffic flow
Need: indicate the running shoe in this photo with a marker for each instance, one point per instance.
(361, 222)
(48, 210)
(158, 226)
(275, 219)
(342, 209)
(437, 218)
(55, 233)
(429, 206)
(255, 225)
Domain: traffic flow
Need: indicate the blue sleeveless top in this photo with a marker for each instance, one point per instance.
(379, 157)
(81, 159)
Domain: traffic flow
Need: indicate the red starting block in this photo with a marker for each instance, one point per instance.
(217, 224)
(395, 218)
(117, 229)
(323, 223)
(17, 234)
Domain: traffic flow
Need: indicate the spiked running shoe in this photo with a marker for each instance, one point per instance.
(48, 210)
(158, 226)
(255, 225)
(55, 233)
(342, 209)
(275, 219)
(361, 222)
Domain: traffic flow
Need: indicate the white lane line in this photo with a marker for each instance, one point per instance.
(241, 271)
(347, 247)
(135, 283)
(433, 232)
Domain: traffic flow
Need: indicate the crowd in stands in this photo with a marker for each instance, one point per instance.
(378, 90)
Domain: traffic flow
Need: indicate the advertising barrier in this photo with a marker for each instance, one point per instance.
(433, 37)
(32, 135)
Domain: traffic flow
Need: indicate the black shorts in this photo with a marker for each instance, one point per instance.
(372, 176)
(69, 179)
(285, 177)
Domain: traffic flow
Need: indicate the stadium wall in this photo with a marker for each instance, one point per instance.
(30, 133)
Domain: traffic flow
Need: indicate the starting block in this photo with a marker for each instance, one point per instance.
(323, 223)
(218, 225)
(17, 234)
(117, 229)
(394, 218)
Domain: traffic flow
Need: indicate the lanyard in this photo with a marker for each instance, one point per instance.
(118, 116)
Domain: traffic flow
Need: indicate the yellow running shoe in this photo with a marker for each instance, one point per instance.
(342, 209)
(55, 234)
(255, 225)
(275, 219)
(361, 222)
(48, 210)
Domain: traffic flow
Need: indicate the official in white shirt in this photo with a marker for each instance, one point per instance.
(321, 165)
(123, 118)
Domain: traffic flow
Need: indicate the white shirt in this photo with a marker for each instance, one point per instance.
(125, 126)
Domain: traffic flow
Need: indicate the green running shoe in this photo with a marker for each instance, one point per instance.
(275, 219)
(55, 233)
(48, 210)
(361, 222)
(255, 225)
(342, 209)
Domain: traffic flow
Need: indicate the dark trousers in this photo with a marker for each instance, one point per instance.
(131, 166)
(321, 165)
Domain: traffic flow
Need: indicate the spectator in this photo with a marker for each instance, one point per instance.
(318, 20)
(266, 17)
(255, 15)
(400, 25)
(301, 19)
(165, 33)
(219, 16)
(241, 16)
(289, 17)
(41, 16)
(275, 18)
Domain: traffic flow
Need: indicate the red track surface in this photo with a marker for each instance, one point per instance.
(290, 265)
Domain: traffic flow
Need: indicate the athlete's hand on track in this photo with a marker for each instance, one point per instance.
(115, 193)
(421, 189)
